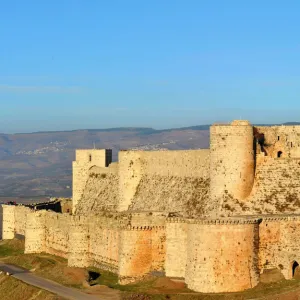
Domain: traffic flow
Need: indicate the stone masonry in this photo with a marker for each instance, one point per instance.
(216, 218)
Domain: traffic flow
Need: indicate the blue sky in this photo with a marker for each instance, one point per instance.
(159, 63)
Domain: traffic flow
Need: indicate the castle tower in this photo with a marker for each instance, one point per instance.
(231, 161)
(7, 213)
(85, 159)
(222, 255)
(35, 232)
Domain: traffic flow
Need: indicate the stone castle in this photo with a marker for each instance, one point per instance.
(216, 218)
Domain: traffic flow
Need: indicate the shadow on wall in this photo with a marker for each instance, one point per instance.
(55, 206)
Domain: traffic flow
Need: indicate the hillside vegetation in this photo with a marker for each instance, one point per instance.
(40, 164)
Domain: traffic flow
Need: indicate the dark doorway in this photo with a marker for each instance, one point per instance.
(295, 267)
(279, 153)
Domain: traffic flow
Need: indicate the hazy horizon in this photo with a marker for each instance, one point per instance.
(121, 127)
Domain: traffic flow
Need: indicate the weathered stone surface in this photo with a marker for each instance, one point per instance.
(220, 218)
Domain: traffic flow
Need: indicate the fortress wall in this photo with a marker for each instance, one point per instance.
(79, 173)
(176, 247)
(277, 186)
(57, 228)
(104, 243)
(280, 138)
(35, 234)
(222, 257)
(164, 180)
(8, 222)
(141, 245)
(130, 172)
(79, 242)
(144, 219)
(181, 163)
(101, 191)
(20, 219)
(135, 258)
(231, 161)
(278, 244)
(158, 243)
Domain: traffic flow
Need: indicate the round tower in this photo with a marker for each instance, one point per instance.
(222, 256)
(231, 160)
(35, 232)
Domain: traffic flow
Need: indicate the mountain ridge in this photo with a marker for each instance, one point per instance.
(147, 129)
(40, 163)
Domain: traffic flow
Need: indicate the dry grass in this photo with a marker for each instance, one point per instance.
(11, 288)
(48, 266)
(55, 268)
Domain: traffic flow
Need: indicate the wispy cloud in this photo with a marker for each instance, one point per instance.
(40, 89)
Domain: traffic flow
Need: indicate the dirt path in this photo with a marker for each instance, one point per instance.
(53, 287)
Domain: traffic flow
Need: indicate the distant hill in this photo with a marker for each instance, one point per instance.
(39, 163)
(291, 123)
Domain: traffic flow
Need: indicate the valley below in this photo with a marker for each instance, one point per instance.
(39, 165)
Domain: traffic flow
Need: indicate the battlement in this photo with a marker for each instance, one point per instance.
(221, 221)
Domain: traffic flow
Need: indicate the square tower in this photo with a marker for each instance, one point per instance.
(85, 159)
(94, 157)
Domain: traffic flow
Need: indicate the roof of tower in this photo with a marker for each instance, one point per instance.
(240, 123)
(234, 123)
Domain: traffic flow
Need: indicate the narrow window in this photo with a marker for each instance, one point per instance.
(291, 144)
(90, 157)
(295, 268)
(279, 153)
(278, 138)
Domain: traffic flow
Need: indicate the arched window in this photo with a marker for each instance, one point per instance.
(279, 153)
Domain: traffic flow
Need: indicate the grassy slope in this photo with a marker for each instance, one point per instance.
(14, 289)
(55, 268)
